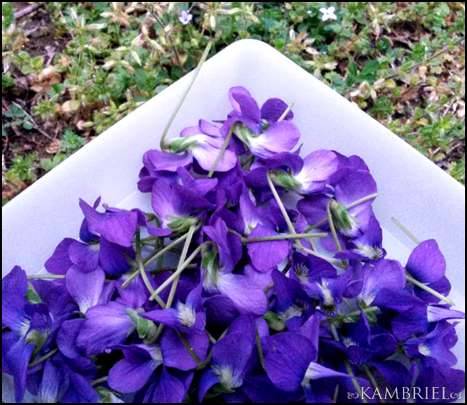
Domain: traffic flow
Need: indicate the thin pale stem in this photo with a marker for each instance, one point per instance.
(185, 94)
(284, 237)
(139, 263)
(176, 273)
(290, 225)
(155, 256)
(336, 394)
(183, 255)
(212, 339)
(280, 204)
(46, 276)
(221, 152)
(362, 200)
(350, 372)
(404, 229)
(372, 379)
(260, 350)
(347, 365)
(99, 380)
(358, 312)
(333, 227)
(413, 280)
(43, 358)
(174, 286)
(189, 349)
(430, 290)
(286, 111)
(335, 262)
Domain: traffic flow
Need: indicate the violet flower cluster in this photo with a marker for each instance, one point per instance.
(260, 276)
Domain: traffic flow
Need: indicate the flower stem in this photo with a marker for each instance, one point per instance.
(142, 271)
(260, 350)
(99, 380)
(409, 277)
(286, 111)
(174, 286)
(347, 365)
(46, 276)
(372, 379)
(163, 143)
(335, 262)
(43, 358)
(362, 200)
(221, 152)
(285, 237)
(280, 204)
(181, 260)
(177, 272)
(332, 227)
(189, 349)
(404, 229)
(155, 256)
(350, 372)
(290, 225)
(430, 290)
(359, 311)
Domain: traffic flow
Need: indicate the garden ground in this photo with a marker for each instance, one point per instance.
(70, 70)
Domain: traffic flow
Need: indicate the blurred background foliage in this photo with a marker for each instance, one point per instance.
(71, 70)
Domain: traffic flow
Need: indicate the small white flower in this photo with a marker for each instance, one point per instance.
(185, 17)
(328, 13)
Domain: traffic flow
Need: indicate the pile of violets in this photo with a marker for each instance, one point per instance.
(260, 276)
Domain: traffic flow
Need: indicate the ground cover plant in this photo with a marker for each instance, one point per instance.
(70, 70)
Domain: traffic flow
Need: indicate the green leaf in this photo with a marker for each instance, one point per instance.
(369, 72)
(8, 15)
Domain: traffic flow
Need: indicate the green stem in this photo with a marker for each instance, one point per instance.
(430, 290)
(286, 111)
(347, 365)
(260, 350)
(43, 358)
(176, 273)
(46, 276)
(284, 237)
(372, 379)
(181, 260)
(332, 227)
(221, 152)
(190, 349)
(99, 380)
(362, 200)
(163, 144)
(155, 256)
(413, 280)
(290, 224)
(335, 262)
(280, 204)
(404, 229)
(142, 271)
(350, 372)
(174, 286)
(358, 312)
(336, 394)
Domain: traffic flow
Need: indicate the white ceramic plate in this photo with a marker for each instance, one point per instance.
(412, 189)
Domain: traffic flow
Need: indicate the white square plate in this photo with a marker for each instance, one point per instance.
(412, 189)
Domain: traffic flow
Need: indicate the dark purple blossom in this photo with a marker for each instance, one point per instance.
(259, 276)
